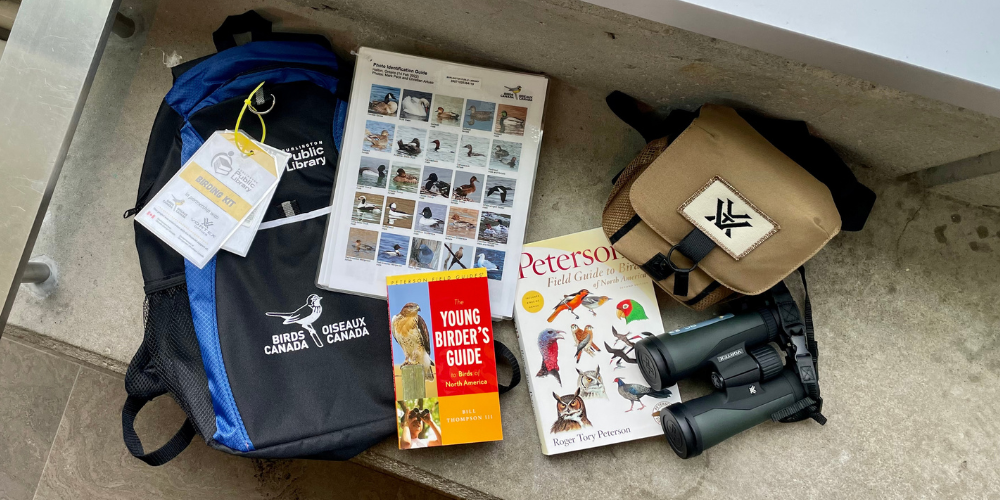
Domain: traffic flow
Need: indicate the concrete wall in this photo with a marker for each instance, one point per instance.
(600, 50)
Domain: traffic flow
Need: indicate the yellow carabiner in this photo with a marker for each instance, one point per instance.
(247, 104)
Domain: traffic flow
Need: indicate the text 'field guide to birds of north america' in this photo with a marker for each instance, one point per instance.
(581, 309)
(436, 172)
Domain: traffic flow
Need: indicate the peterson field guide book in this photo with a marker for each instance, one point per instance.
(581, 307)
(443, 363)
(436, 171)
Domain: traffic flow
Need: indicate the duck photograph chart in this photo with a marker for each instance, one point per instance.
(447, 110)
(392, 249)
(367, 207)
(441, 146)
(384, 100)
(473, 151)
(410, 142)
(363, 244)
(489, 258)
(425, 254)
(504, 155)
(373, 172)
(493, 227)
(378, 136)
(479, 115)
(510, 119)
(431, 218)
(436, 183)
(439, 158)
(398, 213)
(404, 177)
(462, 222)
(499, 191)
(415, 105)
(457, 256)
(468, 187)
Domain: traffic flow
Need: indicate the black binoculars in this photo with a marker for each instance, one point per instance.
(751, 381)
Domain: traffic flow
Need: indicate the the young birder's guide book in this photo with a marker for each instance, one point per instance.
(443, 363)
(436, 173)
(581, 309)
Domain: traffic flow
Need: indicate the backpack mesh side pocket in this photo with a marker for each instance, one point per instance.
(169, 360)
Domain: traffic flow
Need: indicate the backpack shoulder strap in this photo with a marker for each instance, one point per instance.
(259, 29)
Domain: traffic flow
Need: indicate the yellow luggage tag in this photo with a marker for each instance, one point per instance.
(214, 193)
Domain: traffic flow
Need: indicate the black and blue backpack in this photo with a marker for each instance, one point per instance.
(263, 363)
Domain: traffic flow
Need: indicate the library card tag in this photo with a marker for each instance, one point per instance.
(239, 242)
(210, 197)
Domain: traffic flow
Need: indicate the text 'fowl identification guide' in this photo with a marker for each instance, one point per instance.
(443, 362)
(581, 309)
(435, 174)
(211, 199)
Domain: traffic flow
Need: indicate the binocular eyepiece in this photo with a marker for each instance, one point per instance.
(751, 382)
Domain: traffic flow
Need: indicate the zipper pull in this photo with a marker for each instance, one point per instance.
(131, 212)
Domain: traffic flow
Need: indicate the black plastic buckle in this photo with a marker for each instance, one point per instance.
(657, 267)
(804, 360)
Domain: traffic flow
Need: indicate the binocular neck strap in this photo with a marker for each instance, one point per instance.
(798, 331)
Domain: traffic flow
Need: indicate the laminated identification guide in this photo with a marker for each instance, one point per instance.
(210, 197)
(436, 174)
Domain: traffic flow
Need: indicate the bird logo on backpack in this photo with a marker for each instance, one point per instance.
(304, 316)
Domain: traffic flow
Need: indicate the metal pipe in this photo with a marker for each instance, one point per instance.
(35, 272)
(45, 75)
(123, 26)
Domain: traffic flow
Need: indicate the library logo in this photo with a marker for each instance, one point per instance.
(306, 155)
(222, 163)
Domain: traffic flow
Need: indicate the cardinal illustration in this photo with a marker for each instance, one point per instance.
(304, 316)
(584, 340)
(411, 333)
(630, 311)
(569, 303)
(549, 348)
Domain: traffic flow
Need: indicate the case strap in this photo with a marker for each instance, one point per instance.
(799, 330)
(695, 246)
(644, 118)
(165, 453)
(853, 199)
